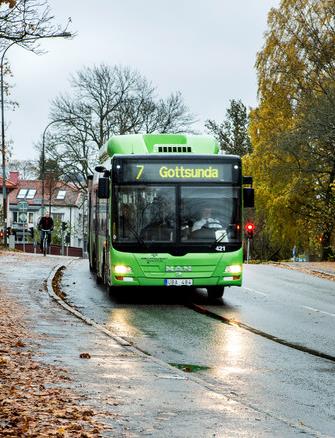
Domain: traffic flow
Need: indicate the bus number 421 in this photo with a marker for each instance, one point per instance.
(220, 248)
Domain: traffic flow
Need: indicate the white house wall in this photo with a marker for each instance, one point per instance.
(70, 215)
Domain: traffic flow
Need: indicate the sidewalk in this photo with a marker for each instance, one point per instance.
(36, 397)
(61, 377)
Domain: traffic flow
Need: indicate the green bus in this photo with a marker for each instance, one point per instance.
(166, 210)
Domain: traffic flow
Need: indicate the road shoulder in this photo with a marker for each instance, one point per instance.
(325, 270)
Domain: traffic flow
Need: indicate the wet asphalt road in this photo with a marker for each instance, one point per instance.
(273, 378)
(134, 394)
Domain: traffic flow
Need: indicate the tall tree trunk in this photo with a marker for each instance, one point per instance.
(326, 250)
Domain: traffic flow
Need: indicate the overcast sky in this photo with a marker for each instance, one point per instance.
(205, 49)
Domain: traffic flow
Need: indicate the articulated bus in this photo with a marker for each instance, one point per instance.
(166, 210)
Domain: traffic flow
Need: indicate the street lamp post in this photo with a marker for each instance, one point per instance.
(43, 160)
(67, 119)
(4, 190)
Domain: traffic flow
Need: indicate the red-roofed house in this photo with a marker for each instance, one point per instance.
(65, 205)
(10, 186)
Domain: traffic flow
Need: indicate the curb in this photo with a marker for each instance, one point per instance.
(76, 313)
(118, 339)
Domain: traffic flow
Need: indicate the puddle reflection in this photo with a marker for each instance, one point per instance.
(158, 322)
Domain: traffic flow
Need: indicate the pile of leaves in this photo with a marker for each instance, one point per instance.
(34, 400)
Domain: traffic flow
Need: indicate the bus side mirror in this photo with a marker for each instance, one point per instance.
(248, 197)
(247, 180)
(103, 188)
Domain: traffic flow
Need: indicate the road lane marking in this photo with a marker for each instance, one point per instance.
(319, 311)
(232, 322)
(255, 291)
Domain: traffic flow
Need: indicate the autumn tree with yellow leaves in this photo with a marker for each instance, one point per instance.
(292, 129)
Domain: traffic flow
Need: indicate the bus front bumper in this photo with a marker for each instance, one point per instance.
(128, 280)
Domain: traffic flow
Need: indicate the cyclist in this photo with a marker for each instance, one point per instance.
(46, 225)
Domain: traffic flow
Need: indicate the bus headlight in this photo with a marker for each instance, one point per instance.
(234, 269)
(121, 269)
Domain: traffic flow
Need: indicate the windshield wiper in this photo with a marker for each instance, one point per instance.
(219, 239)
(139, 239)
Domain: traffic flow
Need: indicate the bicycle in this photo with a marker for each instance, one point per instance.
(45, 242)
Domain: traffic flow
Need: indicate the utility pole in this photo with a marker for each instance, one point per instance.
(3, 143)
(248, 249)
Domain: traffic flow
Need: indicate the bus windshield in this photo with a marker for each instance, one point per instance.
(179, 215)
(209, 213)
(146, 213)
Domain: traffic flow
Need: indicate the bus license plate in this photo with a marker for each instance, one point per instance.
(178, 282)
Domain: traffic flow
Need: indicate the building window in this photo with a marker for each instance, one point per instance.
(30, 194)
(22, 193)
(57, 217)
(14, 216)
(61, 194)
(30, 218)
(26, 193)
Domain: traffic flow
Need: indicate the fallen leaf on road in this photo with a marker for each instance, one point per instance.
(85, 356)
(20, 344)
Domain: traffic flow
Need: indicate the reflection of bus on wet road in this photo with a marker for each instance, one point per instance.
(166, 210)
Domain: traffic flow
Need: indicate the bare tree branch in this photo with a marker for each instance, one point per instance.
(26, 22)
(107, 101)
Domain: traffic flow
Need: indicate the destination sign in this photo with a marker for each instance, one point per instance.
(131, 171)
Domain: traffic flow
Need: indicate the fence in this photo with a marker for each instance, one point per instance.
(54, 249)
